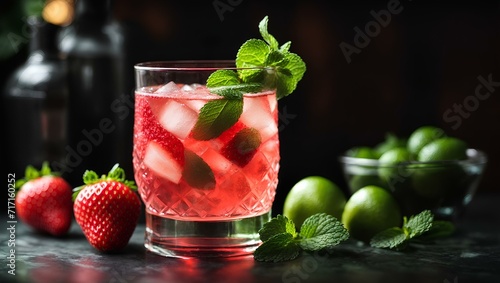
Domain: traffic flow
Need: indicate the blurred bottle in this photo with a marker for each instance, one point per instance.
(100, 120)
(35, 103)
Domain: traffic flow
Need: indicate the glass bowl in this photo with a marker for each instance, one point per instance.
(444, 187)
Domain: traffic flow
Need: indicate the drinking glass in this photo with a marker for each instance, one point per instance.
(204, 196)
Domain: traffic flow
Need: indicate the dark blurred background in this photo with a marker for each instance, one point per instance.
(421, 65)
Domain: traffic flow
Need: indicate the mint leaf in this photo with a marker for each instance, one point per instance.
(418, 224)
(196, 172)
(227, 83)
(297, 68)
(280, 247)
(273, 43)
(236, 91)
(439, 229)
(215, 117)
(220, 116)
(276, 59)
(321, 231)
(286, 46)
(279, 224)
(419, 227)
(252, 54)
(392, 238)
(281, 241)
(222, 78)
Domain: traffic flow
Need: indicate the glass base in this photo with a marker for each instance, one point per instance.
(198, 239)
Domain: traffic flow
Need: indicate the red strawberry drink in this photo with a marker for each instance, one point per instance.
(233, 175)
(207, 175)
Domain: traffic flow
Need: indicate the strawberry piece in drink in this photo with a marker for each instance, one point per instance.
(242, 147)
(160, 150)
(148, 129)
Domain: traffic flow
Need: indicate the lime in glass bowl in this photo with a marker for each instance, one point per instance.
(444, 187)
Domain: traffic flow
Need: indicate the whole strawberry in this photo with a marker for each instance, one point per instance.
(43, 201)
(107, 209)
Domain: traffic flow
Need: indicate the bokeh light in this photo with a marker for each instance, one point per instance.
(58, 12)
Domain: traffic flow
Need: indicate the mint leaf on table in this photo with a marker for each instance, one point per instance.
(391, 238)
(418, 224)
(280, 247)
(278, 240)
(281, 241)
(321, 231)
(279, 224)
(439, 229)
(417, 227)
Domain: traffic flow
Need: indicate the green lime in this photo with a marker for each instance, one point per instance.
(370, 210)
(421, 137)
(388, 169)
(311, 195)
(435, 181)
(447, 148)
(362, 152)
(391, 141)
(356, 182)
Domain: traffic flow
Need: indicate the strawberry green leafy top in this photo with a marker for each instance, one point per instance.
(116, 174)
(32, 173)
(262, 65)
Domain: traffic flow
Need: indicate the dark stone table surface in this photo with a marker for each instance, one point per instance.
(471, 255)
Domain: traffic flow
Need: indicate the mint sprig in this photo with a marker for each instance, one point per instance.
(418, 227)
(262, 64)
(282, 68)
(281, 242)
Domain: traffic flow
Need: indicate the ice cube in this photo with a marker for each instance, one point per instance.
(162, 162)
(273, 102)
(177, 118)
(168, 88)
(194, 104)
(219, 164)
(257, 114)
(187, 88)
(191, 87)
